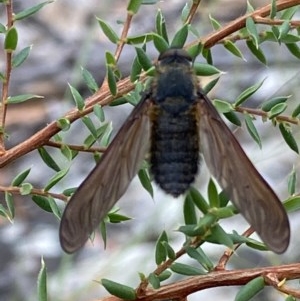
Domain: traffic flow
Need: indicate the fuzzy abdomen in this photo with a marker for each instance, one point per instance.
(174, 149)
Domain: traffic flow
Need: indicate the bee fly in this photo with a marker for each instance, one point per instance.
(180, 122)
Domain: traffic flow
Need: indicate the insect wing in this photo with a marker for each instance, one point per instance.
(108, 181)
(240, 180)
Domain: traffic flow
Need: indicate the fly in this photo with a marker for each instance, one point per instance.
(176, 122)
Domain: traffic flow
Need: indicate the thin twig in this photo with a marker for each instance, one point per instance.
(17, 190)
(80, 148)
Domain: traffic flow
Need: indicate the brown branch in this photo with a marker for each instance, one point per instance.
(6, 82)
(17, 190)
(268, 21)
(229, 252)
(258, 112)
(192, 12)
(79, 148)
(183, 288)
(240, 23)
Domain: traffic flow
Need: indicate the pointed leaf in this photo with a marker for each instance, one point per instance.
(119, 290)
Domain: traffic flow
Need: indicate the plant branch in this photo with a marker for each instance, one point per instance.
(183, 288)
(5, 83)
(17, 190)
(79, 148)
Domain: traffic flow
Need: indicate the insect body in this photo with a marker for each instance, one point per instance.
(180, 122)
(174, 152)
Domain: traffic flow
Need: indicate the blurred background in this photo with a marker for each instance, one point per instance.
(65, 36)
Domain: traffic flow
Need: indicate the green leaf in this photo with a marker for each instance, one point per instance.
(289, 13)
(296, 111)
(210, 85)
(184, 269)
(25, 188)
(294, 49)
(222, 106)
(133, 6)
(46, 157)
(116, 218)
(160, 43)
(30, 11)
(67, 152)
(284, 29)
(233, 49)
(139, 39)
(170, 251)
(56, 178)
(154, 281)
(180, 37)
(190, 217)
(277, 110)
(79, 101)
(69, 191)
(42, 282)
(64, 124)
(90, 140)
(145, 181)
(89, 80)
(288, 137)
(108, 31)
(249, 290)
(90, 125)
(5, 213)
(252, 129)
(223, 212)
(20, 57)
(219, 236)
(252, 30)
(18, 179)
(213, 195)
(257, 52)
(198, 200)
(201, 257)
(22, 98)
(292, 179)
(233, 118)
(42, 202)
(160, 26)
(103, 233)
(214, 23)
(111, 79)
(206, 53)
(206, 69)
(119, 290)
(98, 111)
(269, 104)
(273, 9)
(11, 40)
(195, 50)
(247, 93)
(164, 275)
(292, 204)
(54, 208)
(136, 70)
(201, 228)
(106, 134)
(10, 205)
(143, 59)
(160, 250)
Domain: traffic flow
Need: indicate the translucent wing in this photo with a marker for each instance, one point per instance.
(108, 180)
(242, 183)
